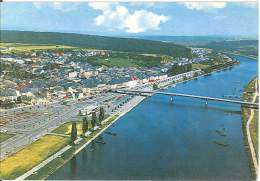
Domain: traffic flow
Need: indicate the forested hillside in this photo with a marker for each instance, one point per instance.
(96, 42)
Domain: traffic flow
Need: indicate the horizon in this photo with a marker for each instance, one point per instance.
(242, 37)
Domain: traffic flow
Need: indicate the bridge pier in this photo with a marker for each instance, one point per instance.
(206, 103)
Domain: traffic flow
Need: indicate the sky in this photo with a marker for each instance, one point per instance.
(133, 18)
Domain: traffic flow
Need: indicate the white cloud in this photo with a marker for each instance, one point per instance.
(204, 5)
(141, 21)
(65, 7)
(249, 4)
(100, 5)
(117, 17)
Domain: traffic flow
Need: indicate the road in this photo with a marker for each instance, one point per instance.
(29, 129)
(33, 127)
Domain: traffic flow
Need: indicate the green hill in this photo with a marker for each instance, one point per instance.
(96, 42)
(242, 47)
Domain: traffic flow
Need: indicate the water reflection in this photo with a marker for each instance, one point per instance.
(92, 146)
(84, 157)
(233, 109)
(73, 166)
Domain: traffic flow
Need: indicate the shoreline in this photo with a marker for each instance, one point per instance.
(246, 121)
(140, 99)
(236, 54)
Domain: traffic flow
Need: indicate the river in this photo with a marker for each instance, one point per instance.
(181, 140)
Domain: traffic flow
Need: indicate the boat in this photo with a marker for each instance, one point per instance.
(110, 133)
(99, 141)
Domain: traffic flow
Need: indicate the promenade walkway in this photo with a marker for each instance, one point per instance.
(57, 134)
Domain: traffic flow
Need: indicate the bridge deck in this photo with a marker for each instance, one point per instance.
(189, 95)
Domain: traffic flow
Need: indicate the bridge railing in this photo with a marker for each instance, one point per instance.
(207, 98)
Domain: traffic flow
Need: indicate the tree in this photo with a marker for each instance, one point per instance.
(84, 125)
(101, 114)
(178, 69)
(185, 78)
(19, 99)
(155, 86)
(93, 119)
(7, 103)
(1, 103)
(73, 135)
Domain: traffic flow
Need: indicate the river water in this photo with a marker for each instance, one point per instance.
(185, 139)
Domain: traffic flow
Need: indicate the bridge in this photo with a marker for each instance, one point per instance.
(206, 98)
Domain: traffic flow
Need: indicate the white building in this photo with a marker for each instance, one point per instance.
(87, 110)
(131, 83)
(73, 74)
(86, 75)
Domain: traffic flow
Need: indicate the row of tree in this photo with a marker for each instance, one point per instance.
(85, 123)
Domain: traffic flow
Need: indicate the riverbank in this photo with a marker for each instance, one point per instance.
(219, 66)
(242, 55)
(250, 125)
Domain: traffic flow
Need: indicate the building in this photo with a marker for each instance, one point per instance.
(73, 74)
(86, 75)
(131, 83)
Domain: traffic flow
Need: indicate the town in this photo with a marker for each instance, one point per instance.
(46, 92)
(49, 76)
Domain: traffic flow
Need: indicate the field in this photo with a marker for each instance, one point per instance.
(254, 130)
(115, 59)
(129, 60)
(199, 66)
(66, 128)
(248, 96)
(21, 47)
(254, 124)
(113, 62)
(44, 172)
(25, 159)
(5, 136)
(244, 52)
